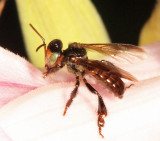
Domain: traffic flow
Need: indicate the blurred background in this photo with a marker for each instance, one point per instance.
(122, 18)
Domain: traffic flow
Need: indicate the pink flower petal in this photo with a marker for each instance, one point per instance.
(17, 76)
(4, 136)
(38, 114)
(16, 69)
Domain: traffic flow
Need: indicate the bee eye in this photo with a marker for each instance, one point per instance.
(55, 45)
(53, 58)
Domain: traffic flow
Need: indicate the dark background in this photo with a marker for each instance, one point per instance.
(123, 19)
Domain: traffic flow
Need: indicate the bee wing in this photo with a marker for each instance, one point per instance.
(105, 66)
(117, 51)
(126, 75)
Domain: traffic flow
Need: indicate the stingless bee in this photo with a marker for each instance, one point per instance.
(77, 62)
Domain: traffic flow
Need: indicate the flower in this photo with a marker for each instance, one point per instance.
(33, 106)
(37, 112)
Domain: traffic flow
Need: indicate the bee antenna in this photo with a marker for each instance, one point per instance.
(44, 44)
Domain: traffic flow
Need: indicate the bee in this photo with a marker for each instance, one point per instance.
(77, 62)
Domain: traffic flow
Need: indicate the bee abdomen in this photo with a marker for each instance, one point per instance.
(111, 80)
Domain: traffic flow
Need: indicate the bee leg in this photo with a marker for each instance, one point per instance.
(102, 111)
(129, 86)
(45, 74)
(73, 95)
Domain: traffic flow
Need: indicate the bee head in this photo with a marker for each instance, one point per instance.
(53, 52)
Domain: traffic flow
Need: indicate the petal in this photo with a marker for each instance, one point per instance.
(17, 76)
(150, 32)
(4, 137)
(38, 114)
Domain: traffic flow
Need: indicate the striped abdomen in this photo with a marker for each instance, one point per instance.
(110, 79)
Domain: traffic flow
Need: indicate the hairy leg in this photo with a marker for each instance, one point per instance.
(102, 111)
(72, 96)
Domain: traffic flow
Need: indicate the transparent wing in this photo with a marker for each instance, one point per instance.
(116, 50)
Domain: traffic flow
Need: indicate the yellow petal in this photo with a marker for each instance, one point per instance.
(151, 30)
(68, 20)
